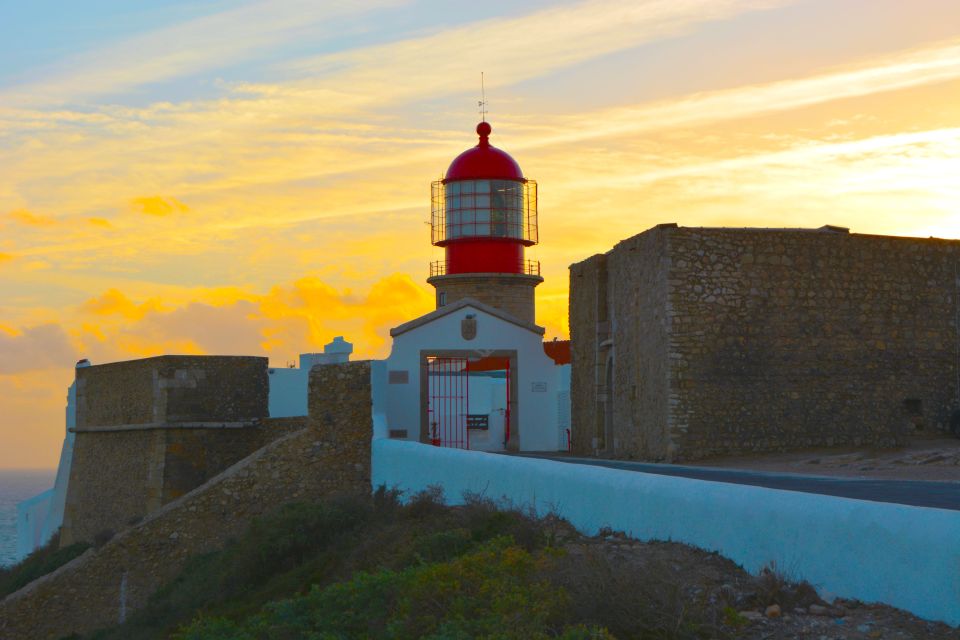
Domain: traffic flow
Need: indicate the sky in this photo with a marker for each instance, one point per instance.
(252, 176)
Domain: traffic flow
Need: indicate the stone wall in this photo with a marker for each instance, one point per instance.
(511, 293)
(170, 389)
(331, 455)
(587, 319)
(791, 339)
(150, 430)
(730, 341)
(118, 477)
(640, 316)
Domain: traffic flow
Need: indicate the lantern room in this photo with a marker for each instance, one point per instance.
(484, 215)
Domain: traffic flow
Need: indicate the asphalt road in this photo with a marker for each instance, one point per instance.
(941, 495)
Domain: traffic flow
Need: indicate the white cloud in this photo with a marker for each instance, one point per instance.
(198, 45)
(43, 346)
(937, 63)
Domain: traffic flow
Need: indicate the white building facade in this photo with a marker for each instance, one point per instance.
(471, 376)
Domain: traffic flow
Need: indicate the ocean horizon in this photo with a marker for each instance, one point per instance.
(16, 485)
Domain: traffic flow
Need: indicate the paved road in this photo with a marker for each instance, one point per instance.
(942, 495)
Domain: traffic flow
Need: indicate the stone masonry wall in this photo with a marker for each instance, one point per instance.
(115, 478)
(621, 299)
(785, 339)
(640, 317)
(134, 451)
(769, 340)
(118, 477)
(98, 589)
(193, 456)
(169, 389)
(511, 293)
(587, 280)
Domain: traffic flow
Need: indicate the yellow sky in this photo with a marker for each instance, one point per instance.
(255, 180)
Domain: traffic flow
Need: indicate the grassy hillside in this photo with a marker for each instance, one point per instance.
(373, 568)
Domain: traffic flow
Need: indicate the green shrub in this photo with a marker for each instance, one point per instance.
(493, 592)
(44, 560)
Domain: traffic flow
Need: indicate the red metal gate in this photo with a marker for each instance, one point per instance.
(448, 401)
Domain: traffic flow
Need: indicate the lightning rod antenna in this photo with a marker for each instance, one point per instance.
(483, 100)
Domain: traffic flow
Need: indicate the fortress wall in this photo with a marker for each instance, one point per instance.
(786, 339)
(640, 318)
(165, 389)
(587, 281)
(115, 479)
(619, 325)
(121, 476)
(730, 341)
(193, 456)
(331, 455)
(150, 430)
(115, 394)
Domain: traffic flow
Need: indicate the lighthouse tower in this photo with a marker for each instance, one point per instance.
(484, 214)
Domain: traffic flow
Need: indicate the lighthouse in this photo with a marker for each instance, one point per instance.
(484, 215)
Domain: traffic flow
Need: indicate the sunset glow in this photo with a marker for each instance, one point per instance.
(253, 177)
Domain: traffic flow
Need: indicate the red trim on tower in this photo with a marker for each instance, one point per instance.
(486, 255)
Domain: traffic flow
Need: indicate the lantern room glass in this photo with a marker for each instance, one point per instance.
(484, 208)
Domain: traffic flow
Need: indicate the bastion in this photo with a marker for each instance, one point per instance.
(695, 342)
(150, 430)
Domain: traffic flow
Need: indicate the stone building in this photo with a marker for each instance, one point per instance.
(695, 342)
(148, 431)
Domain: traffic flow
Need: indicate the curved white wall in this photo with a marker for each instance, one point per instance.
(908, 557)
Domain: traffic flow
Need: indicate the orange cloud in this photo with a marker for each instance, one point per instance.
(114, 302)
(297, 317)
(31, 219)
(5, 257)
(100, 222)
(159, 206)
(391, 302)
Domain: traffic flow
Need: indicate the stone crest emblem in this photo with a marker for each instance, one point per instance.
(468, 327)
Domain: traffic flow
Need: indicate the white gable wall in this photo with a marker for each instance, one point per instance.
(537, 374)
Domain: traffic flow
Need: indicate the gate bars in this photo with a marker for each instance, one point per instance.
(448, 401)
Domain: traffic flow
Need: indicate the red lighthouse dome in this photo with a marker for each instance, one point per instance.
(484, 161)
(484, 213)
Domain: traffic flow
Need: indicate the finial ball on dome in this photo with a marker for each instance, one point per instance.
(484, 129)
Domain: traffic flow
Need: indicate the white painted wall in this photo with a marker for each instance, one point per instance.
(563, 408)
(908, 557)
(288, 386)
(488, 396)
(288, 392)
(39, 517)
(31, 520)
(537, 412)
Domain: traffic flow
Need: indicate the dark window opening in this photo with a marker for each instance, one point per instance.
(913, 407)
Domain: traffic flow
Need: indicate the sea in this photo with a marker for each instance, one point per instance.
(17, 485)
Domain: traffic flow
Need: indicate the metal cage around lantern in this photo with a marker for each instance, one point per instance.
(465, 209)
